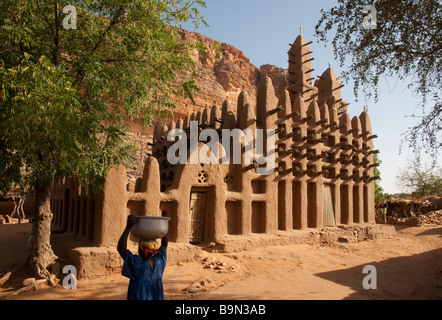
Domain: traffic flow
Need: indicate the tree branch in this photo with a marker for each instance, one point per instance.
(56, 36)
(113, 22)
(45, 18)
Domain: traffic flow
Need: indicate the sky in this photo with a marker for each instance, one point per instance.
(263, 30)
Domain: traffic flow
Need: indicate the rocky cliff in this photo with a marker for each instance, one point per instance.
(223, 72)
(222, 75)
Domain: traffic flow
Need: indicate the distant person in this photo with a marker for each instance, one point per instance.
(146, 269)
(382, 207)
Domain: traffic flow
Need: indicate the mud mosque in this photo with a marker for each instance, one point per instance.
(323, 177)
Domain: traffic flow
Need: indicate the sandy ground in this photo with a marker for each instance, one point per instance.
(408, 266)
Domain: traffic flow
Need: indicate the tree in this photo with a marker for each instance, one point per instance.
(379, 193)
(420, 179)
(65, 93)
(407, 43)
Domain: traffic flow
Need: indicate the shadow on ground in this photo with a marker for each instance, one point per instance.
(402, 278)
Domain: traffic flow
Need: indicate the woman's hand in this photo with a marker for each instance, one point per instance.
(131, 221)
(122, 243)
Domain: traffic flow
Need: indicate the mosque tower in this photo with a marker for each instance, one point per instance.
(300, 71)
(329, 91)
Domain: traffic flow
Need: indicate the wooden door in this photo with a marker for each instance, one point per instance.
(198, 200)
(327, 206)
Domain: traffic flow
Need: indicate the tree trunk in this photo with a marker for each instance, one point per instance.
(42, 255)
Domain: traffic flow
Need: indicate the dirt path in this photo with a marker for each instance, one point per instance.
(408, 267)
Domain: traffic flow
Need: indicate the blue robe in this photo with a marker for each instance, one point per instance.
(145, 283)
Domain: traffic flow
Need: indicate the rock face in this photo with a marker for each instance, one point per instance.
(223, 72)
(278, 75)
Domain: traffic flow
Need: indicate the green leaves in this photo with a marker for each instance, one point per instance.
(379, 193)
(65, 94)
(420, 179)
(407, 44)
